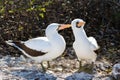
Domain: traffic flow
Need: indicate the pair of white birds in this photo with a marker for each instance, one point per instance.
(53, 45)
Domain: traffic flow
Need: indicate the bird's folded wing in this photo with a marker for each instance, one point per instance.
(93, 43)
(39, 44)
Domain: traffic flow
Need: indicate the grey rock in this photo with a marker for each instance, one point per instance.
(33, 75)
(116, 71)
(80, 76)
(101, 78)
(103, 65)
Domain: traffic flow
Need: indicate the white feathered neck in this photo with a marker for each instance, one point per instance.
(79, 33)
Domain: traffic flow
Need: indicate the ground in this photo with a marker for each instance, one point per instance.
(62, 68)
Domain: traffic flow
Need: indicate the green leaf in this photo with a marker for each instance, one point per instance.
(2, 10)
(11, 2)
(20, 28)
(43, 9)
(48, 3)
(30, 9)
(11, 11)
(32, 2)
(41, 15)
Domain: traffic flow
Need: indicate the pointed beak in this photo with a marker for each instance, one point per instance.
(63, 26)
(80, 24)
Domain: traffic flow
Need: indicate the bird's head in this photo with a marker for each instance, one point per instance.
(55, 27)
(77, 23)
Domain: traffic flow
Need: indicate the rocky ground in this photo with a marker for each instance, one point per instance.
(63, 68)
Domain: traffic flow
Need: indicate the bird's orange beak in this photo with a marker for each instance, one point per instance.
(80, 24)
(63, 26)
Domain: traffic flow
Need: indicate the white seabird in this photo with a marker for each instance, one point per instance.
(43, 48)
(84, 46)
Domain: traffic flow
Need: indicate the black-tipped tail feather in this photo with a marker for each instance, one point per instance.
(22, 47)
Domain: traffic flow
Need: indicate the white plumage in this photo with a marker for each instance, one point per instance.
(93, 41)
(40, 44)
(53, 45)
(84, 46)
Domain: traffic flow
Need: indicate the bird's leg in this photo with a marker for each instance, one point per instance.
(43, 68)
(48, 63)
(80, 66)
(91, 67)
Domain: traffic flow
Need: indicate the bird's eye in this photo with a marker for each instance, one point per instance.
(77, 25)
